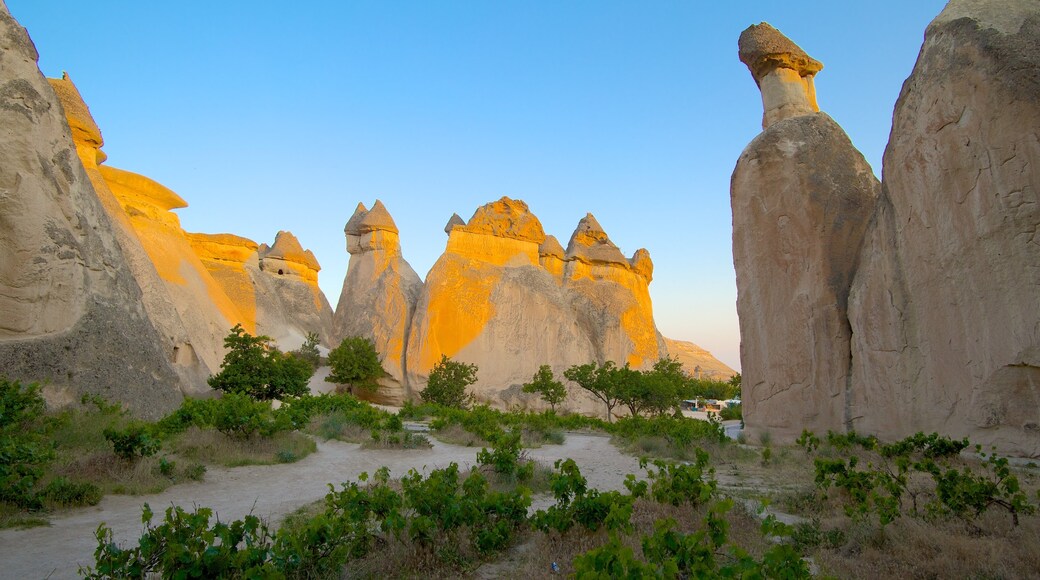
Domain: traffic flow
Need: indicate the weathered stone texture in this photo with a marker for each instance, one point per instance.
(697, 362)
(379, 294)
(946, 307)
(69, 306)
(802, 196)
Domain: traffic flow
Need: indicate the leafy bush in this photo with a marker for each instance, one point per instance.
(731, 413)
(186, 545)
(24, 454)
(576, 504)
(253, 367)
(242, 417)
(308, 351)
(506, 457)
(133, 441)
(447, 383)
(64, 493)
(680, 432)
(355, 362)
(677, 484)
(545, 384)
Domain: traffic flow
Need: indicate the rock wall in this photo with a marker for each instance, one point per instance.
(70, 313)
(928, 319)
(946, 307)
(289, 303)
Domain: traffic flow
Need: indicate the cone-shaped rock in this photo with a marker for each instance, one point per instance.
(289, 303)
(379, 294)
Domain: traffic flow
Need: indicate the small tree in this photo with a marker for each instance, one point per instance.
(253, 367)
(545, 384)
(447, 383)
(600, 380)
(355, 362)
(309, 350)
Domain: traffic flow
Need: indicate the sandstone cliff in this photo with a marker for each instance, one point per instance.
(70, 312)
(507, 297)
(379, 294)
(802, 196)
(697, 362)
(945, 309)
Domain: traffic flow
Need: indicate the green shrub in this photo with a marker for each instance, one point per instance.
(242, 417)
(24, 454)
(253, 367)
(65, 493)
(133, 441)
(447, 383)
(355, 362)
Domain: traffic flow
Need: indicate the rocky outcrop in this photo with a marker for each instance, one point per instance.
(186, 304)
(939, 329)
(508, 298)
(945, 309)
(70, 313)
(697, 362)
(802, 196)
(289, 303)
(379, 294)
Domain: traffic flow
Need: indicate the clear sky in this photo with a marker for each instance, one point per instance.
(272, 116)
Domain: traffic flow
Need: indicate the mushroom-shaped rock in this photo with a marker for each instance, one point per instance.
(372, 229)
(377, 219)
(455, 220)
(84, 129)
(783, 71)
(589, 243)
(506, 218)
(642, 264)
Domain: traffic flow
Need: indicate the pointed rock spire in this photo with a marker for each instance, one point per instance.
(591, 244)
(455, 220)
(353, 227)
(551, 247)
(287, 247)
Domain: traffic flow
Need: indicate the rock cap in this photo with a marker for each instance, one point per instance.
(506, 218)
(764, 48)
(551, 247)
(455, 220)
(287, 247)
(369, 220)
(590, 243)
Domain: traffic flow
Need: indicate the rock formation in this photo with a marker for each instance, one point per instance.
(802, 196)
(289, 303)
(69, 305)
(945, 309)
(379, 294)
(697, 362)
(508, 298)
(935, 324)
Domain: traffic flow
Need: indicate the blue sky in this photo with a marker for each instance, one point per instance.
(267, 117)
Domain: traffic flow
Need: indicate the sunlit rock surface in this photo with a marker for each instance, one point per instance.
(945, 309)
(802, 196)
(379, 294)
(70, 313)
(697, 362)
(289, 303)
(508, 298)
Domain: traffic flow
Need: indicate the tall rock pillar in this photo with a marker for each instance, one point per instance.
(802, 196)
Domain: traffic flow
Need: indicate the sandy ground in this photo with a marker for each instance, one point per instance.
(57, 551)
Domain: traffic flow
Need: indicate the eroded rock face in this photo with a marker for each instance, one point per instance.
(802, 196)
(379, 294)
(188, 307)
(945, 310)
(697, 362)
(508, 298)
(70, 313)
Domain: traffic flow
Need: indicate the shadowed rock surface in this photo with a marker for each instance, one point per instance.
(70, 313)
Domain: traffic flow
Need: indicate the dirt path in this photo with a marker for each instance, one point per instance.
(270, 491)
